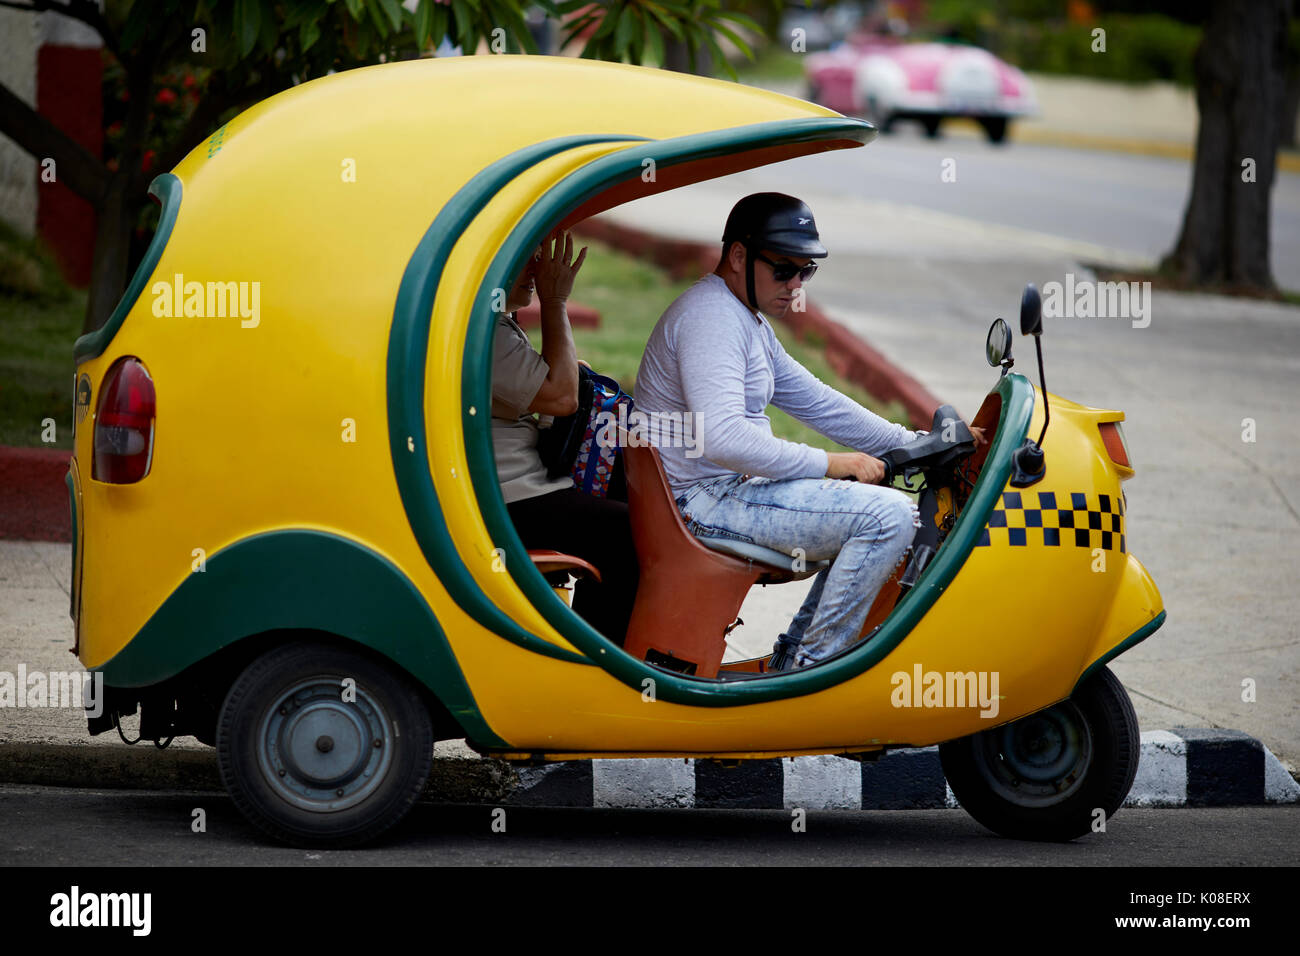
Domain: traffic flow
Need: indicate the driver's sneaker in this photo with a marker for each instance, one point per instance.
(783, 654)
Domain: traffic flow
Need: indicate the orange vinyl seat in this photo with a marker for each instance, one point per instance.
(691, 588)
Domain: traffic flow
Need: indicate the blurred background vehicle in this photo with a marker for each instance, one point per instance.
(882, 76)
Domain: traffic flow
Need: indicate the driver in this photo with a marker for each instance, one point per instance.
(713, 353)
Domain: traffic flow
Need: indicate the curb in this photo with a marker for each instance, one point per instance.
(1183, 767)
(1287, 160)
(847, 354)
(580, 316)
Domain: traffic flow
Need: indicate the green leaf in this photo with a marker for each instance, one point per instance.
(662, 15)
(424, 24)
(627, 22)
(512, 14)
(607, 24)
(308, 34)
(138, 22)
(377, 18)
(466, 36)
(741, 20)
(248, 22)
(354, 8)
(438, 20)
(719, 57)
(393, 10)
(655, 40)
(268, 37)
(636, 51)
(734, 38)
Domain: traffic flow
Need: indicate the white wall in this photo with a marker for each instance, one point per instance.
(20, 35)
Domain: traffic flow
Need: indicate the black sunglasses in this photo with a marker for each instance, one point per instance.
(785, 271)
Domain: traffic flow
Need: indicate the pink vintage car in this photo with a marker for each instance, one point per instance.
(885, 80)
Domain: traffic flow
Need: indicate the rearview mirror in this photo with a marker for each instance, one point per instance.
(1031, 311)
(997, 349)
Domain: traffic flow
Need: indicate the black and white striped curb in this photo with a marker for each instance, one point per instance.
(1183, 767)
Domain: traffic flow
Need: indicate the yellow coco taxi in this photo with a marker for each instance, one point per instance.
(291, 544)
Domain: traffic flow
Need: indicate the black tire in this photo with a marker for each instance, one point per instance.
(1044, 776)
(288, 710)
(995, 128)
(878, 118)
(931, 126)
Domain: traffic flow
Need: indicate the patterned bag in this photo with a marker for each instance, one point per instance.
(598, 455)
(584, 445)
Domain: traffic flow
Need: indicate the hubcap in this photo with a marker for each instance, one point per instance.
(321, 753)
(1039, 760)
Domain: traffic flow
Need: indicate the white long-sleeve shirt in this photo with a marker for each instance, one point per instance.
(713, 359)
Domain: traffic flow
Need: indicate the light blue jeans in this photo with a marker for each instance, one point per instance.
(863, 529)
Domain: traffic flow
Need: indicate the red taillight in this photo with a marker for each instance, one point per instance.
(124, 424)
(1112, 437)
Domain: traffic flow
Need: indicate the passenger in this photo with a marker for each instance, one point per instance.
(714, 357)
(550, 513)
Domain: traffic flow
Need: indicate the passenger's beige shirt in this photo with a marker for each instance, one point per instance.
(517, 373)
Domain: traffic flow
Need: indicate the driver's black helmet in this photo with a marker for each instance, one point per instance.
(774, 221)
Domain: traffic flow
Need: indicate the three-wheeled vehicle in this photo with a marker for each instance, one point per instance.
(290, 541)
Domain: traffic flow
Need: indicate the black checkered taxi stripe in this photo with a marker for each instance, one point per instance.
(1078, 519)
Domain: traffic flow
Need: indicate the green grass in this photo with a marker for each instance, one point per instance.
(775, 63)
(631, 295)
(40, 318)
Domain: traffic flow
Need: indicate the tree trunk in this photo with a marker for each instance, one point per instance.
(1290, 117)
(677, 57)
(122, 199)
(108, 269)
(1240, 70)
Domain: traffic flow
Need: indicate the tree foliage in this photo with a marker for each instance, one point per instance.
(230, 54)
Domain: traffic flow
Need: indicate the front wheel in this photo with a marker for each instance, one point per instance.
(1045, 776)
(320, 746)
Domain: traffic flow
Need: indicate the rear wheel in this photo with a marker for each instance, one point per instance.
(995, 128)
(322, 746)
(1045, 776)
(931, 126)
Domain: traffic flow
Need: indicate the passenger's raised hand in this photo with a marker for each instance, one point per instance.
(556, 268)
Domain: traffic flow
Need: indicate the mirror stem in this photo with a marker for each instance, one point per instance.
(1042, 383)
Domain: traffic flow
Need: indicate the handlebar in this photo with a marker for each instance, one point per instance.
(950, 439)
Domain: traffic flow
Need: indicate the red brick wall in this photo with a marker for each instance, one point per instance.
(68, 94)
